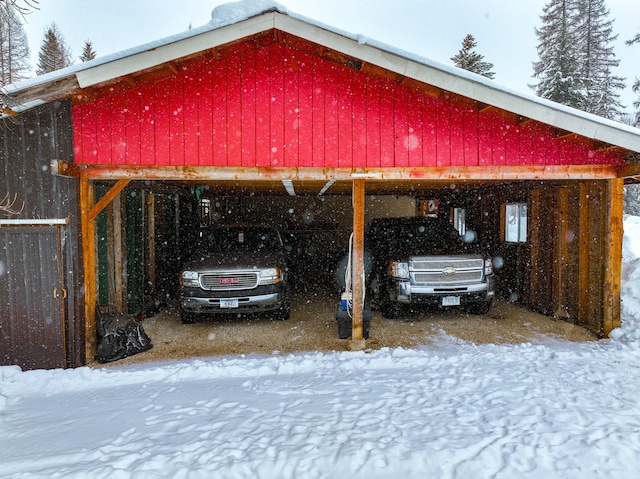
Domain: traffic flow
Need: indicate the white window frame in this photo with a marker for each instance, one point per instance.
(459, 219)
(515, 222)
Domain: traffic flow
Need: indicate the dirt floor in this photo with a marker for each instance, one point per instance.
(313, 327)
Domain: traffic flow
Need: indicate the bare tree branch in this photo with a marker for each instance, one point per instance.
(23, 7)
(7, 205)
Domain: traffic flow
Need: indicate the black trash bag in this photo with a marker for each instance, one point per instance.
(119, 336)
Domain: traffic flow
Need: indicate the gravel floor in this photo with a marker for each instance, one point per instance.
(313, 327)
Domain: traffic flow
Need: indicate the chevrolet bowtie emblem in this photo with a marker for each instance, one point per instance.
(449, 270)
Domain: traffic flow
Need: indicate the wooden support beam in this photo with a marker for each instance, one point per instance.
(357, 337)
(630, 168)
(63, 168)
(107, 198)
(88, 213)
(561, 259)
(613, 255)
(534, 238)
(436, 173)
(151, 241)
(584, 232)
(87, 226)
(119, 291)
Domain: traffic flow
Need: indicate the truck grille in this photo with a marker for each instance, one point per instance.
(442, 263)
(461, 276)
(447, 270)
(228, 281)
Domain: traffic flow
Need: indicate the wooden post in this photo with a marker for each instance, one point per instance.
(584, 231)
(561, 259)
(119, 291)
(534, 238)
(357, 339)
(613, 254)
(87, 226)
(88, 214)
(151, 241)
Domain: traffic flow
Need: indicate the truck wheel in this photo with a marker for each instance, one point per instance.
(187, 318)
(391, 310)
(373, 293)
(478, 308)
(284, 312)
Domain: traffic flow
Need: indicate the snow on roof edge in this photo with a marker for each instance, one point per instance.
(230, 13)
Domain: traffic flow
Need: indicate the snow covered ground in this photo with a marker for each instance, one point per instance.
(454, 410)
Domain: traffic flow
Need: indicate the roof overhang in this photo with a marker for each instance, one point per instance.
(74, 80)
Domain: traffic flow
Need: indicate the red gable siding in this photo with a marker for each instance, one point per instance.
(277, 106)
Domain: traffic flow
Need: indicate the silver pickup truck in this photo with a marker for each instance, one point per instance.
(423, 260)
(235, 269)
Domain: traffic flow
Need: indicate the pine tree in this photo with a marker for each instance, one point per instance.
(468, 59)
(88, 53)
(636, 86)
(594, 39)
(14, 48)
(559, 67)
(54, 52)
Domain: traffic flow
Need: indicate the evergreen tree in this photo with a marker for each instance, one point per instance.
(594, 39)
(468, 59)
(54, 52)
(14, 48)
(559, 67)
(636, 86)
(88, 53)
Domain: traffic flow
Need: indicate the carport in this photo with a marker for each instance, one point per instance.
(277, 105)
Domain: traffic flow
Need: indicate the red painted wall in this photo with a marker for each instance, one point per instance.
(277, 106)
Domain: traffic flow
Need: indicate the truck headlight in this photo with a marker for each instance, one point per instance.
(399, 270)
(189, 279)
(488, 267)
(270, 276)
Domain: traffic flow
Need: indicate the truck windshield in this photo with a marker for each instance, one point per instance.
(242, 239)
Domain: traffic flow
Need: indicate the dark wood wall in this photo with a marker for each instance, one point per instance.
(31, 334)
(560, 270)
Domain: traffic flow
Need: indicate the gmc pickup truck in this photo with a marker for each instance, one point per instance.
(235, 269)
(424, 260)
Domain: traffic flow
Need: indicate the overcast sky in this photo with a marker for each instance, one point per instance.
(504, 29)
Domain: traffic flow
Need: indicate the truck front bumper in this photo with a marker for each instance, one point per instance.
(470, 293)
(240, 304)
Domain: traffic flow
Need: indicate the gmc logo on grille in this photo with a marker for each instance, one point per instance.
(227, 280)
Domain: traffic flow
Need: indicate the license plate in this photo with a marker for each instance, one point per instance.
(451, 301)
(229, 303)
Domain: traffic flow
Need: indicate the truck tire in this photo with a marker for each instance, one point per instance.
(391, 309)
(478, 308)
(187, 318)
(284, 312)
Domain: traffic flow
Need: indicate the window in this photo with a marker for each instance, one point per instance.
(458, 220)
(515, 223)
(205, 212)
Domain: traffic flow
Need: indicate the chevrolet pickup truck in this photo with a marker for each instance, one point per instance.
(424, 260)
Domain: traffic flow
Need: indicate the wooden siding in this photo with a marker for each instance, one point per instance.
(28, 143)
(560, 271)
(276, 106)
